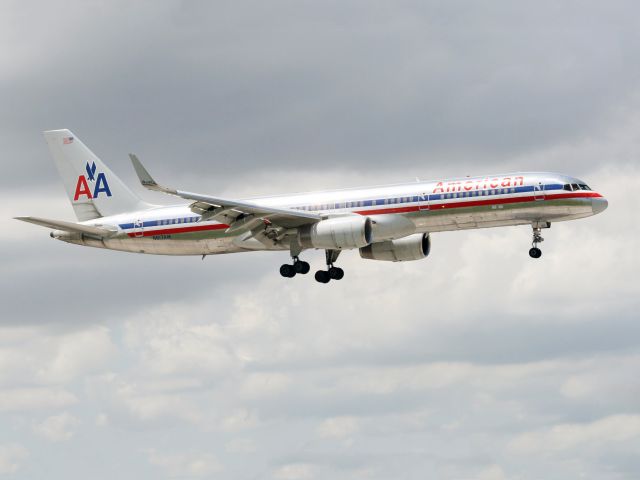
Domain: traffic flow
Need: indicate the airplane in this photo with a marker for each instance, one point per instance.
(388, 223)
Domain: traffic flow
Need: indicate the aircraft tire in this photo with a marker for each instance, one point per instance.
(535, 252)
(287, 271)
(302, 267)
(322, 276)
(336, 273)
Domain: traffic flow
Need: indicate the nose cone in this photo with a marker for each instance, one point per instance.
(599, 204)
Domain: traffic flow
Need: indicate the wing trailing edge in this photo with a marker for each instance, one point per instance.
(225, 207)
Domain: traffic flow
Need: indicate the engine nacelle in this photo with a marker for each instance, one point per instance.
(413, 247)
(337, 233)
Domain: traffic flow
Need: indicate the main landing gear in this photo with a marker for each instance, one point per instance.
(298, 266)
(534, 251)
(332, 272)
(323, 276)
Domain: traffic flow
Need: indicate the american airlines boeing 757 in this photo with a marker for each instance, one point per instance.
(391, 222)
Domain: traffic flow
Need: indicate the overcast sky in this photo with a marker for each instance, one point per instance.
(475, 363)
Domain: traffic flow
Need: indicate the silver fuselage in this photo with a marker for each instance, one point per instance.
(395, 210)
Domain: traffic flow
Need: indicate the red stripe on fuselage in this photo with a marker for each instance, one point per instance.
(170, 231)
(479, 203)
(413, 208)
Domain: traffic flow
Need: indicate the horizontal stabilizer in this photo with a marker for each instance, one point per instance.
(68, 226)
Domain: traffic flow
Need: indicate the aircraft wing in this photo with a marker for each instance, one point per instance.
(69, 226)
(227, 210)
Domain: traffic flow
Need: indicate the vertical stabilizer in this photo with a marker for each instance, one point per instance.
(94, 190)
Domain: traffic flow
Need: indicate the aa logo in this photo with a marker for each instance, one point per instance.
(99, 184)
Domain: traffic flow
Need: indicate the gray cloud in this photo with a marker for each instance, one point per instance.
(474, 363)
(304, 85)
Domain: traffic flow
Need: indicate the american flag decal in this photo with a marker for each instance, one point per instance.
(67, 140)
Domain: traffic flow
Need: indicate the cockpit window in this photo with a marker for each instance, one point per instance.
(572, 187)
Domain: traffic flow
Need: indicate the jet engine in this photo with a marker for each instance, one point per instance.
(337, 233)
(413, 247)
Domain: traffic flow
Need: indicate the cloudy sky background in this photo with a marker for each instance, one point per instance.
(476, 363)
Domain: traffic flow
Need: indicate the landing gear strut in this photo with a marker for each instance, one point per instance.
(534, 251)
(332, 272)
(298, 266)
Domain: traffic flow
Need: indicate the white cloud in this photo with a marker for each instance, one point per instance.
(604, 374)
(264, 384)
(453, 356)
(39, 356)
(184, 464)
(338, 427)
(57, 428)
(171, 340)
(12, 457)
(294, 471)
(492, 472)
(602, 433)
(37, 398)
(239, 419)
(78, 353)
(241, 445)
(143, 402)
(102, 420)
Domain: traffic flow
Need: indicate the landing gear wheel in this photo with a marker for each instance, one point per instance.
(336, 273)
(322, 276)
(287, 271)
(535, 252)
(302, 267)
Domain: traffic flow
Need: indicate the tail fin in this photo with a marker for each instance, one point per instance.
(93, 189)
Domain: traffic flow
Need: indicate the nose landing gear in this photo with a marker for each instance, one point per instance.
(534, 251)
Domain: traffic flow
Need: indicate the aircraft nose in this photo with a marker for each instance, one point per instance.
(599, 204)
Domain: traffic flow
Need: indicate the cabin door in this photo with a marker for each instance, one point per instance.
(423, 201)
(138, 228)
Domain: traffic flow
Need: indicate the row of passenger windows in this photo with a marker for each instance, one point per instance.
(480, 193)
(396, 200)
(572, 187)
(392, 201)
(174, 221)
